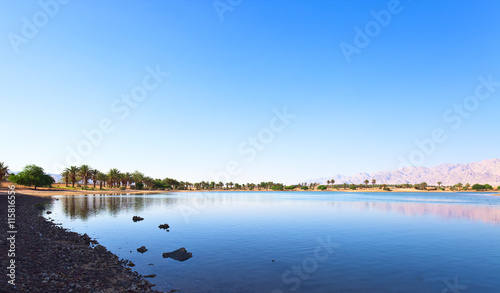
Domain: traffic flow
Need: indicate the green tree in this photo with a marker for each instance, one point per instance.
(113, 176)
(85, 173)
(137, 177)
(32, 175)
(366, 182)
(439, 184)
(4, 171)
(93, 176)
(65, 175)
(374, 181)
(73, 172)
(102, 178)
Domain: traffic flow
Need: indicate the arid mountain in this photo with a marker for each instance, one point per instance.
(487, 171)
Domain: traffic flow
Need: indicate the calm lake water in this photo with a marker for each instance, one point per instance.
(319, 241)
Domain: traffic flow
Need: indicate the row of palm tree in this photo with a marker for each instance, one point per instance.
(113, 178)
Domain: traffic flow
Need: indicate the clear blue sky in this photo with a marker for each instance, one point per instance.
(226, 77)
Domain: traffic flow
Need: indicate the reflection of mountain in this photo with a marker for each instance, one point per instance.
(447, 211)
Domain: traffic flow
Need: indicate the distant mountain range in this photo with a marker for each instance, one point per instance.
(487, 171)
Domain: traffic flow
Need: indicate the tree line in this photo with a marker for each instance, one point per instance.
(84, 175)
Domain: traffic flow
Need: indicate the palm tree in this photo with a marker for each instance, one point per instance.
(127, 179)
(345, 186)
(4, 171)
(113, 176)
(439, 183)
(374, 181)
(366, 182)
(65, 175)
(149, 182)
(85, 173)
(73, 172)
(93, 176)
(102, 178)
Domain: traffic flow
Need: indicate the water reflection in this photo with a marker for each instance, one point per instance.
(83, 207)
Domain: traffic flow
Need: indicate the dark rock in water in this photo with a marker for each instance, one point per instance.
(100, 248)
(131, 264)
(142, 249)
(150, 276)
(180, 254)
(164, 226)
(137, 218)
(49, 212)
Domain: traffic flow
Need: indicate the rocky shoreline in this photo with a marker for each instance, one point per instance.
(49, 258)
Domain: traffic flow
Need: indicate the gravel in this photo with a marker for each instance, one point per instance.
(52, 259)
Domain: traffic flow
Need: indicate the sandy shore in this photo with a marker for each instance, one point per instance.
(49, 258)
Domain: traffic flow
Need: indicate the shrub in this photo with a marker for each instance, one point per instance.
(132, 186)
(352, 187)
(304, 188)
(290, 187)
(482, 187)
(387, 189)
(139, 186)
(123, 187)
(322, 187)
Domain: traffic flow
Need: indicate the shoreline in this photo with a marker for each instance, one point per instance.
(50, 258)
